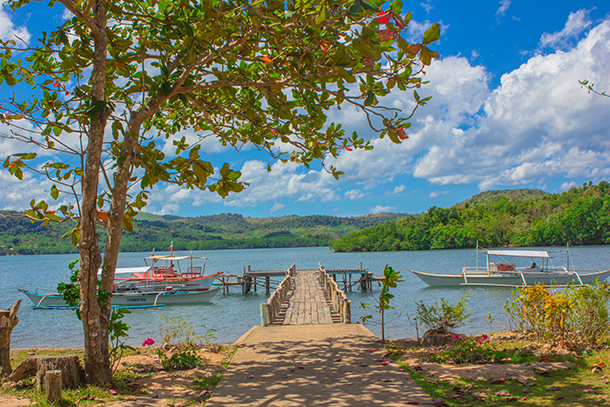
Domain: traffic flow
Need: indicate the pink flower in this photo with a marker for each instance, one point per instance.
(456, 337)
(478, 341)
(148, 341)
(484, 337)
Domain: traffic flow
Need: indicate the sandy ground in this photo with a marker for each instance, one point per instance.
(331, 365)
(314, 365)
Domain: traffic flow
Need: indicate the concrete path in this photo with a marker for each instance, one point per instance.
(313, 365)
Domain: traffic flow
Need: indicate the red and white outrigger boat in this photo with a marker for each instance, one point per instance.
(163, 272)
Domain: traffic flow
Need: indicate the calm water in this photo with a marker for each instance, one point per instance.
(232, 315)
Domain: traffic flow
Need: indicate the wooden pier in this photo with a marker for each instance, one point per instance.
(269, 280)
(306, 297)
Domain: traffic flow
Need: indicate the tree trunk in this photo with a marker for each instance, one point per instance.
(8, 321)
(95, 320)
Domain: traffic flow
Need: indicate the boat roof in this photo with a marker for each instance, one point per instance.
(520, 253)
(177, 258)
(127, 270)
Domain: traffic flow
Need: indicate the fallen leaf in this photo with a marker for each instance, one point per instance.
(525, 390)
(300, 367)
(373, 350)
(363, 364)
(401, 370)
(589, 391)
(338, 360)
(114, 392)
(386, 363)
(412, 402)
(386, 380)
(603, 377)
(379, 360)
(385, 355)
(502, 393)
(544, 360)
(497, 381)
(553, 388)
(203, 393)
(241, 345)
(523, 398)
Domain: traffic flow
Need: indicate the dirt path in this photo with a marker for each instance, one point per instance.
(313, 365)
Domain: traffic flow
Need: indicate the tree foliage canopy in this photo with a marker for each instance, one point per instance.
(112, 84)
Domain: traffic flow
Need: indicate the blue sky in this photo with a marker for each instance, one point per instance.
(507, 112)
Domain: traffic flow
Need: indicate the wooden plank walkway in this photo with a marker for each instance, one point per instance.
(308, 304)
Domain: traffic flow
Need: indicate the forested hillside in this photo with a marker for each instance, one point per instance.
(579, 216)
(224, 231)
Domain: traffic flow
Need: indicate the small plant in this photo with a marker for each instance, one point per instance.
(390, 279)
(443, 318)
(118, 330)
(180, 360)
(179, 330)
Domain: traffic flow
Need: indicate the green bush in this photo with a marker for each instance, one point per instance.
(443, 318)
(578, 314)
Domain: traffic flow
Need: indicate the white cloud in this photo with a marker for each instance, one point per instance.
(437, 193)
(537, 124)
(8, 31)
(567, 185)
(399, 189)
(354, 194)
(380, 209)
(276, 207)
(577, 23)
(504, 5)
(427, 6)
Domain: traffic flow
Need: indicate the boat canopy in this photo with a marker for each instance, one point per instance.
(178, 258)
(127, 270)
(520, 253)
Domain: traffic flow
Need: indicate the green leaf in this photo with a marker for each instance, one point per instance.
(432, 34)
(54, 192)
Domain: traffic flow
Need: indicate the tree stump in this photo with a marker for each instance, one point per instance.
(72, 371)
(52, 386)
(8, 321)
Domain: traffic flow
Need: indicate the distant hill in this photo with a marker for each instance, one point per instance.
(522, 217)
(223, 231)
(510, 194)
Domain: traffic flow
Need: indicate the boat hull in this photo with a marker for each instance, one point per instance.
(141, 299)
(138, 283)
(510, 279)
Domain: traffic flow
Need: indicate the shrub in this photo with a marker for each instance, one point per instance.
(580, 313)
(180, 360)
(445, 317)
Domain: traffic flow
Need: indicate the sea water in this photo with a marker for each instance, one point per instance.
(233, 314)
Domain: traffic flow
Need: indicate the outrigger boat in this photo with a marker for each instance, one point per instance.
(149, 286)
(505, 274)
(137, 299)
(170, 273)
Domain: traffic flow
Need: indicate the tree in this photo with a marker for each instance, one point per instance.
(590, 86)
(120, 77)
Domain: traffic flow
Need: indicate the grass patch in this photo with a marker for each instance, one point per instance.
(581, 385)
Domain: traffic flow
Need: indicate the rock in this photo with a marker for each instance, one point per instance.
(563, 352)
(437, 337)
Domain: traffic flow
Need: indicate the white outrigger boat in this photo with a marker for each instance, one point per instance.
(505, 274)
(136, 299)
(170, 273)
